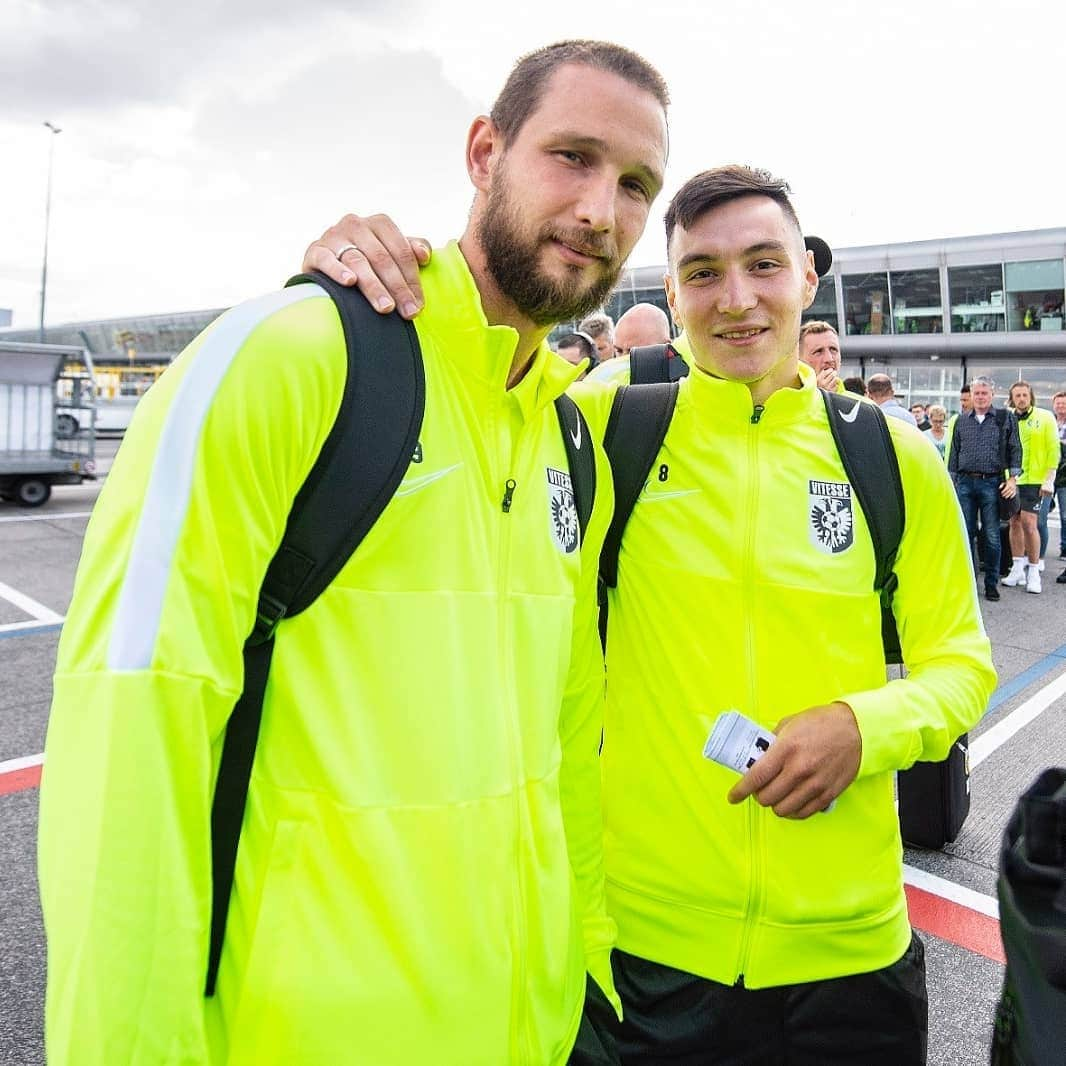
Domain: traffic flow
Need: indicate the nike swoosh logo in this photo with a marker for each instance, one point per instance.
(414, 484)
(576, 437)
(853, 413)
(652, 497)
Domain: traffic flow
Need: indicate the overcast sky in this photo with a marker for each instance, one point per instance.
(205, 144)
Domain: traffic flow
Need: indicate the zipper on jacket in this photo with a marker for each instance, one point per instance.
(756, 871)
(521, 1050)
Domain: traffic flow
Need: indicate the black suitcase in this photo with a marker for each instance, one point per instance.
(1031, 1017)
(934, 798)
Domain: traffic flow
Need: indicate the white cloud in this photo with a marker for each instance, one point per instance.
(204, 145)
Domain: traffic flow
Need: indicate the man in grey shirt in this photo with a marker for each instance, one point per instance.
(880, 389)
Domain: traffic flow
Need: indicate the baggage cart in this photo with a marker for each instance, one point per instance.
(47, 420)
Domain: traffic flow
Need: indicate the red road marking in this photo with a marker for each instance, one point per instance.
(952, 921)
(20, 780)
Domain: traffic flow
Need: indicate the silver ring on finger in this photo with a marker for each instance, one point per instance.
(344, 251)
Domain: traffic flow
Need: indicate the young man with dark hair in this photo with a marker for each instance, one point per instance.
(771, 928)
(765, 930)
(419, 878)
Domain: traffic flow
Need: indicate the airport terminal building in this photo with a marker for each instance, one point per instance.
(929, 313)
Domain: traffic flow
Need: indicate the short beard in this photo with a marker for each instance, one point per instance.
(514, 265)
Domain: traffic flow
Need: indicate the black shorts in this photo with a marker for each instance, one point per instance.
(1029, 496)
(673, 1018)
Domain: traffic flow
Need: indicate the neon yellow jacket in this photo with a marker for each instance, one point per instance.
(1039, 435)
(420, 872)
(728, 596)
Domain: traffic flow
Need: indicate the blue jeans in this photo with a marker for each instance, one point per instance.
(1041, 521)
(982, 495)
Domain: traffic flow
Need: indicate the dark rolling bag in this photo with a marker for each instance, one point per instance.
(1031, 1017)
(934, 798)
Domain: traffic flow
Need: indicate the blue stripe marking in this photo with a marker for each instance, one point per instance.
(1026, 678)
(49, 627)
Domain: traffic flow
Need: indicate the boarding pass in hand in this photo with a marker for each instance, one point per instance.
(736, 742)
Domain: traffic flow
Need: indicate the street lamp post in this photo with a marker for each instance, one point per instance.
(47, 213)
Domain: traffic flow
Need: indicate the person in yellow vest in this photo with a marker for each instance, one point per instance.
(420, 874)
(1040, 461)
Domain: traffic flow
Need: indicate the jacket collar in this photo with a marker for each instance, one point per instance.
(483, 353)
(729, 402)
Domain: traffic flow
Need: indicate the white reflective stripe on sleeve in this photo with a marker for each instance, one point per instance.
(140, 604)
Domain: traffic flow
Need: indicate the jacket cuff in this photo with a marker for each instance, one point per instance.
(886, 744)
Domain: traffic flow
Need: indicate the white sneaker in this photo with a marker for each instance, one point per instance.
(1032, 582)
(1040, 566)
(1017, 574)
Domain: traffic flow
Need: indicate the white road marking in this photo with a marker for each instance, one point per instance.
(13, 765)
(24, 603)
(45, 517)
(992, 739)
(938, 886)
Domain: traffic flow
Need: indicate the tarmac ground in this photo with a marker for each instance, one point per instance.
(951, 892)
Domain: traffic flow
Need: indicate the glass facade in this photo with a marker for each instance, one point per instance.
(1034, 295)
(977, 299)
(866, 304)
(824, 307)
(917, 306)
(1046, 379)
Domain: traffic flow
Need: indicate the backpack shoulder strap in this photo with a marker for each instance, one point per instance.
(647, 365)
(654, 364)
(358, 469)
(860, 431)
(636, 429)
(579, 457)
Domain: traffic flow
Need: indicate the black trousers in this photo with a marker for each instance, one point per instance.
(595, 1044)
(673, 1018)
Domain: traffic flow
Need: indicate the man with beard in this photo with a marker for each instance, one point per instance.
(420, 868)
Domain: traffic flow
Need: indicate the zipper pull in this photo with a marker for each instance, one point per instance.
(756, 414)
(508, 495)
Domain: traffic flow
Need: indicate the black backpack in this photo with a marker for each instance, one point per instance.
(1030, 1025)
(359, 468)
(656, 364)
(637, 427)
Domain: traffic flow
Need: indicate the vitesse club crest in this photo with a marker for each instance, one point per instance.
(562, 510)
(831, 522)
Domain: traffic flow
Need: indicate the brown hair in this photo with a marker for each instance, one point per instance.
(525, 85)
(712, 188)
(1022, 384)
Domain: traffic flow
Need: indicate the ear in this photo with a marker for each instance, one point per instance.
(671, 299)
(810, 277)
(484, 146)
